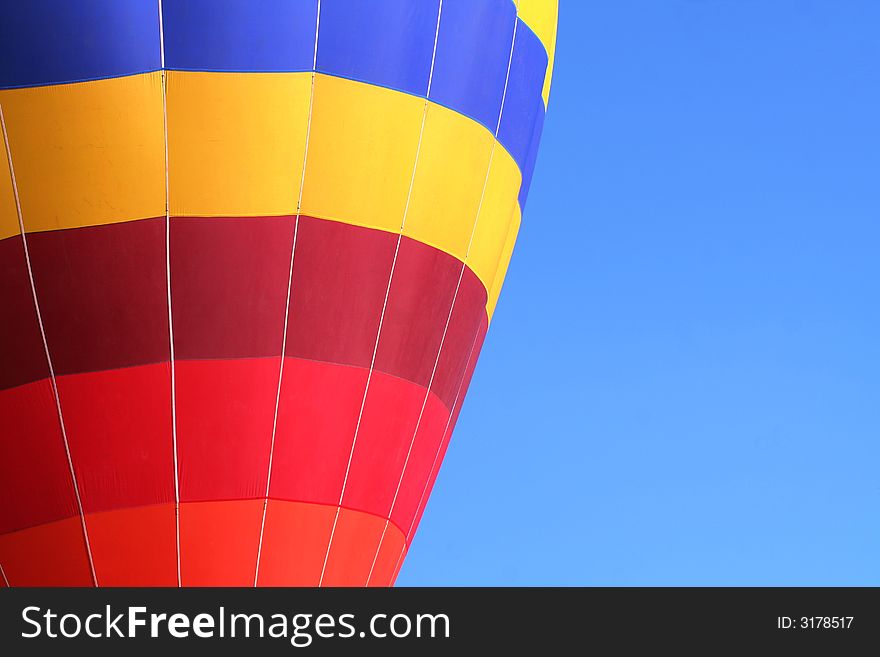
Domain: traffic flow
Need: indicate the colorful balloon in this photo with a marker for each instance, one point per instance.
(248, 255)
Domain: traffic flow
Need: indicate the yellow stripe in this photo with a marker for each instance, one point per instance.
(88, 153)
(93, 153)
(503, 263)
(499, 208)
(8, 214)
(453, 161)
(236, 142)
(362, 149)
(361, 155)
(542, 17)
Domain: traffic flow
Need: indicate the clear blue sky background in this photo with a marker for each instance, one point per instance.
(682, 382)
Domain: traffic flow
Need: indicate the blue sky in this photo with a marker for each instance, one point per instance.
(681, 385)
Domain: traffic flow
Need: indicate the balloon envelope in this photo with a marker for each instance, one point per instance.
(248, 255)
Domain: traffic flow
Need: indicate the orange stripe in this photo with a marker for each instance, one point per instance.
(218, 542)
(294, 542)
(218, 546)
(386, 560)
(53, 554)
(354, 544)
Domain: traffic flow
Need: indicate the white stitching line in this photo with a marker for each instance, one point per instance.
(398, 564)
(168, 288)
(27, 258)
(5, 579)
(161, 38)
(452, 306)
(289, 285)
(387, 292)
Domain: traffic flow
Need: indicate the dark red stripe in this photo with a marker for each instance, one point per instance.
(103, 296)
(419, 300)
(468, 319)
(102, 293)
(340, 274)
(340, 277)
(22, 354)
(229, 285)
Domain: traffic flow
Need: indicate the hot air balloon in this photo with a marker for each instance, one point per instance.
(248, 255)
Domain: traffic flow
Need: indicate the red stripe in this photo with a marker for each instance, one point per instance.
(224, 427)
(462, 391)
(317, 415)
(119, 431)
(386, 432)
(35, 483)
(317, 420)
(104, 299)
(418, 469)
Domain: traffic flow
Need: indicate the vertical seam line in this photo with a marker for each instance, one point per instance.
(27, 258)
(452, 305)
(387, 291)
(289, 287)
(168, 291)
(455, 404)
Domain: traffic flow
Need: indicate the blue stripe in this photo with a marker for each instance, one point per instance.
(388, 43)
(53, 41)
(523, 104)
(528, 167)
(473, 47)
(240, 35)
(91, 79)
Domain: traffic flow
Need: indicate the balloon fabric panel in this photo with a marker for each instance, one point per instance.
(249, 253)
